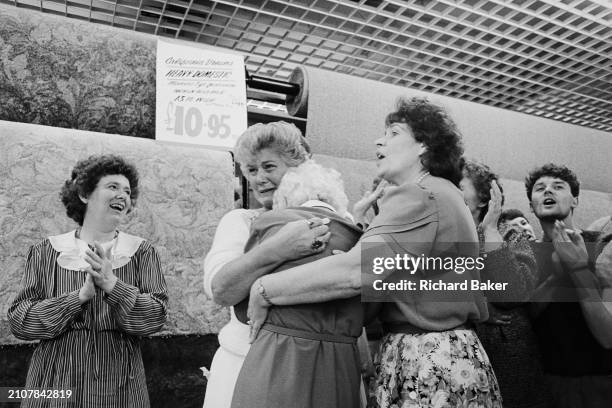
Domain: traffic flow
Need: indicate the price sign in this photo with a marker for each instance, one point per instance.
(201, 95)
(189, 121)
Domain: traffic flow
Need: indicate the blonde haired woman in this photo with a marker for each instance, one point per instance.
(265, 153)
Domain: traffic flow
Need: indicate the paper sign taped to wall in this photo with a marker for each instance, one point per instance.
(201, 95)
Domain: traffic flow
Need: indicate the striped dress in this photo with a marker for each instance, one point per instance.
(92, 349)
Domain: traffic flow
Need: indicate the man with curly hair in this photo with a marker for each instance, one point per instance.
(572, 311)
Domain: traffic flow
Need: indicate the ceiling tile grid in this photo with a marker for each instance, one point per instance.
(550, 58)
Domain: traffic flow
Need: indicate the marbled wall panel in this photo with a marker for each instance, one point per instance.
(60, 72)
(185, 191)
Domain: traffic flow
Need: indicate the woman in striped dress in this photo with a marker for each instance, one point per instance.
(89, 294)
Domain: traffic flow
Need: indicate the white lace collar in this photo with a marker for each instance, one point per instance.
(72, 250)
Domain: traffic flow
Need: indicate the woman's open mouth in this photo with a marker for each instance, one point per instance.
(118, 206)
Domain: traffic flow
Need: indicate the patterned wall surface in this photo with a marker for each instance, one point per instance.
(185, 191)
(64, 73)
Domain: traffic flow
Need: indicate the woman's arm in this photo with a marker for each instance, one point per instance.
(231, 272)
(232, 282)
(595, 292)
(339, 276)
(141, 311)
(596, 304)
(332, 277)
(593, 289)
(228, 244)
(31, 316)
(329, 278)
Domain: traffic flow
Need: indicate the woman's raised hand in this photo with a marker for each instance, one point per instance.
(100, 268)
(297, 239)
(362, 206)
(489, 222)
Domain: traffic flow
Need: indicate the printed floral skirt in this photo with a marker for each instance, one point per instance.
(437, 369)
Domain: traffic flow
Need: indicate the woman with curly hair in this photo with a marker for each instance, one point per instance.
(430, 355)
(477, 185)
(89, 294)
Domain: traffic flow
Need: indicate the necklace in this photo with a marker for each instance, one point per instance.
(77, 234)
(422, 177)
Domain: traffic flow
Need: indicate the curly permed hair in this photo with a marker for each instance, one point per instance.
(555, 171)
(311, 181)
(431, 125)
(481, 177)
(85, 177)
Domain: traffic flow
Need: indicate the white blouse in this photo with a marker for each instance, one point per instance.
(230, 238)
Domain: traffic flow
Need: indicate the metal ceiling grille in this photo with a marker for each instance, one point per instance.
(550, 58)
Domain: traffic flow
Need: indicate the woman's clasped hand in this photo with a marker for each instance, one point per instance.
(100, 268)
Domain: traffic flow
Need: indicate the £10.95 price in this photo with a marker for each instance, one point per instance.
(190, 121)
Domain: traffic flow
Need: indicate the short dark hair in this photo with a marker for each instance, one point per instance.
(510, 214)
(85, 177)
(481, 177)
(552, 170)
(431, 125)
